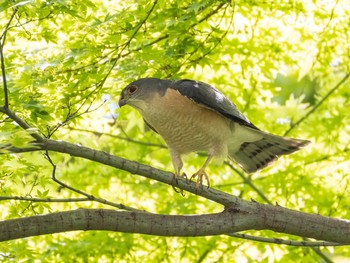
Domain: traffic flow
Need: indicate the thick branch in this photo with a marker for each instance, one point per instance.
(234, 219)
(120, 221)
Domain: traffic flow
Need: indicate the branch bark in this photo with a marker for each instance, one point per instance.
(233, 219)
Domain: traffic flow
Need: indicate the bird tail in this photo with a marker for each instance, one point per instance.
(255, 155)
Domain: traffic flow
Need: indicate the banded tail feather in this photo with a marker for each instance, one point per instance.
(255, 155)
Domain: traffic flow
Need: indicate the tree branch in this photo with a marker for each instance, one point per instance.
(3, 72)
(4, 81)
(45, 200)
(25, 126)
(285, 242)
(318, 104)
(88, 196)
(120, 221)
(234, 219)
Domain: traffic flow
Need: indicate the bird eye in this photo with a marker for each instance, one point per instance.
(132, 89)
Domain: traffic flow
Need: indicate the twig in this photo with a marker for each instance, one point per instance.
(70, 116)
(100, 84)
(188, 60)
(44, 200)
(25, 126)
(127, 43)
(88, 196)
(211, 13)
(165, 36)
(2, 44)
(4, 81)
(286, 242)
(318, 104)
(249, 182)
(322, 255)
(148, 144)
(3, 35)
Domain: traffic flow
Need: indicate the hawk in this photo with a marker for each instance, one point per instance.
(193, 116)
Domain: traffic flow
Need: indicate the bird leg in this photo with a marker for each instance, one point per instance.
(200, 173)
(176, 177)
(177, 162)
(175, 181)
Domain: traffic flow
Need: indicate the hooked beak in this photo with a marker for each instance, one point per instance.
(122, 101)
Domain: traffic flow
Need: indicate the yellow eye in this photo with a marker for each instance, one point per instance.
(132, 89)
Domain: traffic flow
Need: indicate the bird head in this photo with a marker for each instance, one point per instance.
(130, 95)
(140, 92)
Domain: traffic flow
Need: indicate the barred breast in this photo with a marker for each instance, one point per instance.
(187, 126)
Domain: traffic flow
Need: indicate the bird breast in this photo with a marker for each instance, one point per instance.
(187, 126)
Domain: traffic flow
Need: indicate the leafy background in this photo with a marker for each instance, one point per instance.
(279, 61)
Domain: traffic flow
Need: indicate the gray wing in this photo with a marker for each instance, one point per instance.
(210, 97)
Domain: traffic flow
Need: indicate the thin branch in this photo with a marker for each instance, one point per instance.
(22, 24)
(3, 70)
(286, 242)
(318, 104)
(70, 116)
(188, 60)
(141, 24)
(100, 84)
(4, 80)
(211, 13)
(127, 43)
(45, 200)
(163, 37)
(69, 200)
(331, 16)
(322, 255)
(148, 144)
(3, 35)
(249, 182)
(326, 157)
(25, 126)
(88, 196)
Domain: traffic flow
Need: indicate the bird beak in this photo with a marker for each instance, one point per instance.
(122, 101)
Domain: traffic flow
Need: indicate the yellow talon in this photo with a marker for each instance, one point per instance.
(200, 174)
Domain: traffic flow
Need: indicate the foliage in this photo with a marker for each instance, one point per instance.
(277, 60)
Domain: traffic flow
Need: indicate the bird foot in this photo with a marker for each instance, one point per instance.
(175, 181)
(200, 174)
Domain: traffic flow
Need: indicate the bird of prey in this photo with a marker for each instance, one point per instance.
(193, 116)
